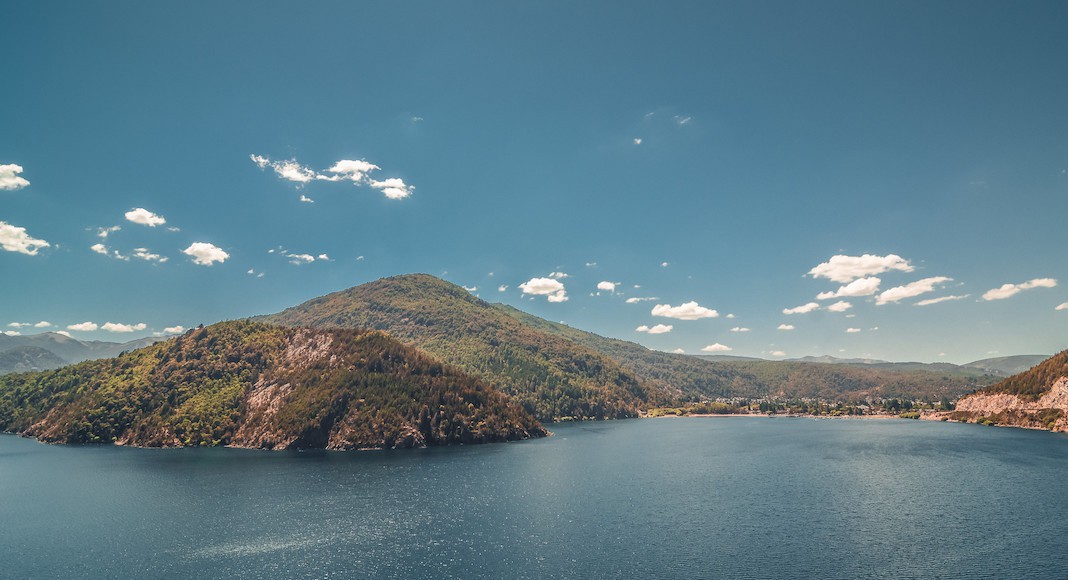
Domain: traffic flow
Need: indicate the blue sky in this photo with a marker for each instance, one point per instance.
(715, 153)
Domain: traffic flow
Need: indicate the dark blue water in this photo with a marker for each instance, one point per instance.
(671, 498)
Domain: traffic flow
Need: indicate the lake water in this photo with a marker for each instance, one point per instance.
(658, 498)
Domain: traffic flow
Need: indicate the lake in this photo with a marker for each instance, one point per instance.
(728, 497)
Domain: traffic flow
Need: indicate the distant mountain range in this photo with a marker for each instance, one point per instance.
(1001, 366)
(51, 350)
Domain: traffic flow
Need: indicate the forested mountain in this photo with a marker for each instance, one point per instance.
(25, 353)
(1036, 398)
(254, 385)
(556, 370)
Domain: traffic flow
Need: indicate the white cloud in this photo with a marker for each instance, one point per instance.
(730, 315)
(205, 254)
(840, 306)
(289, 170)
(717, 347)
(845, 269)
(679, 351)
(117, 327)
(298, 259)
(12, 333)
(354, 170)
(1062, 306)
(637, 299)
(144, 217)
(911, 290)
(607, 286)
(858, 287)
(306, 199)
(359, 258)
(174, 329)
(105, 232)
(83, 327)
(10, 179)
(105, 251)
(144, 254)
(803, 309)
(637, 141)
(687, 311)
(591, 264)
(552, 288)
(682, 120)
(658, 329)
(64, 333)
(739, 329)
(324, 258)
(931, 301)
(15, 239)
(665, 264)
(43, 324)
(786, 327)
(19, 324)
(1009, 290)
(777, 353)
(502, 288)
(472, 289)
(393, 188)
(559, 275)
(852, 330)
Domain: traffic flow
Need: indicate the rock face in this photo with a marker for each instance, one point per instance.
(244, 384)
(1037, 399)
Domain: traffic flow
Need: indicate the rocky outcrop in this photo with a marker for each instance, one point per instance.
(1049, 411)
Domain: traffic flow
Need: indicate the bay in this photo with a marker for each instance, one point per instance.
(731, 497)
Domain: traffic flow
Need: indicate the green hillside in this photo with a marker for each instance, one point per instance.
(255, 385)
(1037, 381)
(556, 370)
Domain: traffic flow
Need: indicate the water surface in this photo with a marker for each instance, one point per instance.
(693, 497)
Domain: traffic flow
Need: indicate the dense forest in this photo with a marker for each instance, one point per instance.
(1032, 384)
(558, 371)
(254, 385)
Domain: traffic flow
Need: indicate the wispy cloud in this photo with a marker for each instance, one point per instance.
(356, 171)
(658, 329)
(858, 287)
(1010, 290)
(803, 309)
(911, 290)
(931, 301)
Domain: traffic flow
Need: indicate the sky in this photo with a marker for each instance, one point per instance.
(772, 179)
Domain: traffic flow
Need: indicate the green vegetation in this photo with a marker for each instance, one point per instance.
(1032, 384)
(551, 377)
(557, 371)
(256, 385)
